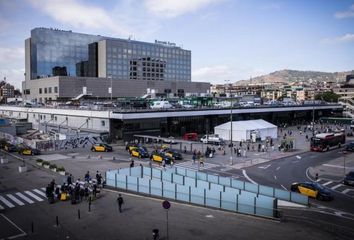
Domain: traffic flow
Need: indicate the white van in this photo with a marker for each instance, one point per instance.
(161, 105)
(212, 138)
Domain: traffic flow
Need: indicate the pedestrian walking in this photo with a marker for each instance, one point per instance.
(194, 157)
(69, 180)
(201, 161)
(132, 163)
(87, 176)
(120, 202)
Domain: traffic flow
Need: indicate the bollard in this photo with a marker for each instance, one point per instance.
(57, 221)
(100, 156)
(114, 158)
(89, 156)
(78, 214)
(32, 227)
(90, 204)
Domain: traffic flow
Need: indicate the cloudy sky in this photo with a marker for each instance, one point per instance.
(229, 39)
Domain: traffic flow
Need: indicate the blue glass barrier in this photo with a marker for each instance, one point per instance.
(147, 171)
(229, 200)
(299, 198)
(167, 176)
(144, 185)
(202, 184)
(201, 176)
(265, 206)
(135, 171)
(225, 181)
(213, 179)
(111, 175)
(212, 198)
(183, 193)
(197, 196)
(248, 194)
(111, 182)
(190, 182)
(132, 183)
(216, 187)
(181, 171)
(237, 184)
(124, 171)
(156, 187)
(192, 174)
(169, 190)
(268, 191)
(246, 204)
(156, 173)
(121, 181)
(282, 194)
(251, 187)
(232, 191)
(178, 179)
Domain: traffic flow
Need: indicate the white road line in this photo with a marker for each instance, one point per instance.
(347, 190)
(34, 196)
(336, 186)
(43, 188)
(277, 169)
(336, 166)
(247, 177)
(327, 183)
(39, 192)
(16, 236)
(283, 187)
(13, 198)
(7, 203)
(1, 207)
(275, 177)
(24, 198)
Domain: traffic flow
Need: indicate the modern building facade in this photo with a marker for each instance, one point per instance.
(52, 52)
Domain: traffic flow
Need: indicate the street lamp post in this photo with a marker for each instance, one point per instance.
(313, 121)
(231, 143)
(344, 159)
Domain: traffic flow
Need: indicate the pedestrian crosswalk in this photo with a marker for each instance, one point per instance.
(190, 165)
(15, 199)
(336, 186)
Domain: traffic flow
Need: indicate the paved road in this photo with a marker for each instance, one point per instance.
(282, 173)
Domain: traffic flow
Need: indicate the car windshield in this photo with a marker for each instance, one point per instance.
(318, 186)
(351, 174)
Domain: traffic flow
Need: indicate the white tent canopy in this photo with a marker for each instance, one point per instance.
(241, 130)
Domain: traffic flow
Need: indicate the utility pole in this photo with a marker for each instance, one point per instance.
(231, 143)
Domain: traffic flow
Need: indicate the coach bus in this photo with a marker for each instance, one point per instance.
(326, 141)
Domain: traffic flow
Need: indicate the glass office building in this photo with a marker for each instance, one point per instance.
(53, 52)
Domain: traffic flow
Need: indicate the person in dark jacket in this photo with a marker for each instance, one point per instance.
(120, 202)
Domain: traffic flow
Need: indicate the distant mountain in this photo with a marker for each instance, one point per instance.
(290, 76)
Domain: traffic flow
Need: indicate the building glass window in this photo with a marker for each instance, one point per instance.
(40, 90)
(55, 89)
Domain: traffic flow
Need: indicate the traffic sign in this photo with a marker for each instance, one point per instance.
(166, 204)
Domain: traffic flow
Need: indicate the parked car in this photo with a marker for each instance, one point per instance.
(139, 152)
(312, 189)
(212, 138)
(190, 136)
(173, 154)
(101, 147)
(349, 178)
(10, 147)
(26, 150)
(170, 140)
(161, 105)
(350, 147)
(160, 156)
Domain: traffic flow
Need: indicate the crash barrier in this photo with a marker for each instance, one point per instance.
(247, 186)
(167, 184)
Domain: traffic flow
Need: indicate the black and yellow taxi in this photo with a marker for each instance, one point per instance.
(26, 150)
(312, 189)
(139, 152)
(8, 147)
(101, 147)
(157, 156)
(173, 154)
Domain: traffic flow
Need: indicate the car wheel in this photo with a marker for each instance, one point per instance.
(106, 150)
(320, 197)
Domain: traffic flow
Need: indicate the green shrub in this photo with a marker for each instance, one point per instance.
(45, 163)
(61, 169)
(39, 160)
(52, 166)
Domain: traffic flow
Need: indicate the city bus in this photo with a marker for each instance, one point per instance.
(326, 141)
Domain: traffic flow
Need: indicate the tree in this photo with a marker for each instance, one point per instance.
(327, 96)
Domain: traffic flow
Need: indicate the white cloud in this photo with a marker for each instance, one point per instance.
(11, 54)
(213, 74)
(173, 8)
(345, 14)
(349, 37)
(80, 15)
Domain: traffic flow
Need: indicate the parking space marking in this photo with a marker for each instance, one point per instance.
(24, 198)
(33, 196)
(39, 192)
(345, 191)
(13, 198)
(7, 203)
(1, 207)
(336, 186)
(327, 183)
(22, 233)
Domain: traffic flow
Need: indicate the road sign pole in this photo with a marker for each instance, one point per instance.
(167, 223)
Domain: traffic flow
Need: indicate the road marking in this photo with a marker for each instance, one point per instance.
(43, 188)
(209, 216)
(7, 203)
(336, 166)
(265, 167)
(283, 187)
(277, 169)
(247, 177)
(327, 183)
(13, 198)
(18, 228)
(345, 191)
(296, 161)
(33, 196)
(336, 186)
(275, 177)
(1, 207)
(298, 157)
(24, 197)
(39, 192)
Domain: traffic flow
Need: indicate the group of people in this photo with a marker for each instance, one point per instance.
(76, 191)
